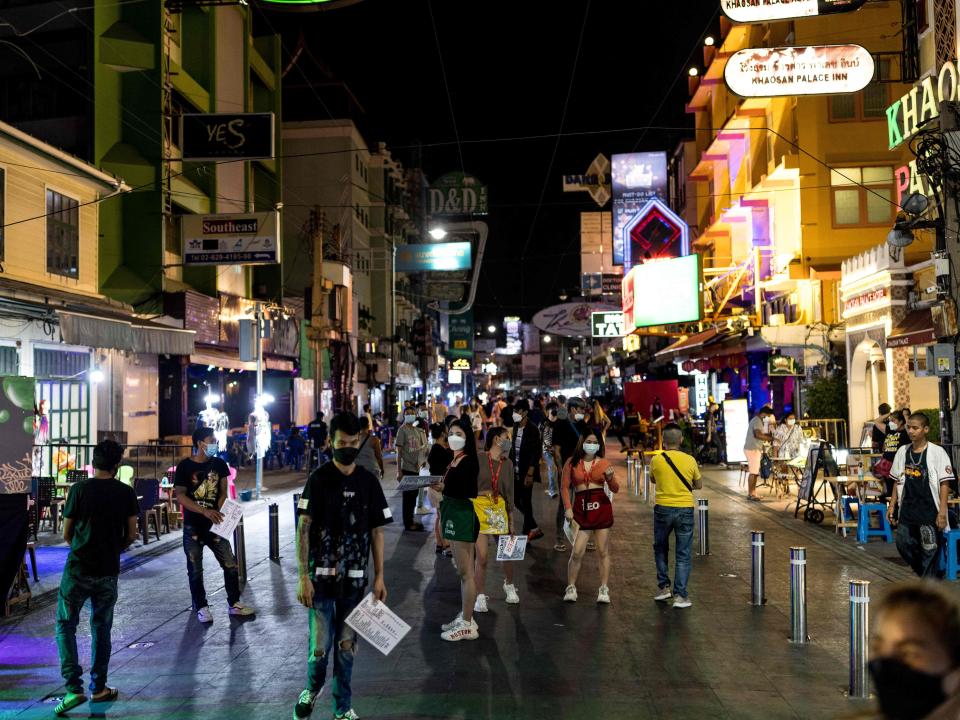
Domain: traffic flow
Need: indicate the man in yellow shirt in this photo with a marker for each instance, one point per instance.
(676, 475)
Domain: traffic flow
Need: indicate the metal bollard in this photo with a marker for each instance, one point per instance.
(757, 593)
(296, 512)
(859, 634)
(240, 552)
(646, 482)
(703, 526)
(631, 464)
(274, 532)
(798, 595)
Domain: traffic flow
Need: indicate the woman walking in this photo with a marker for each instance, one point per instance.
(460, 526)
(589, 474)
(478, 418)
(493, 503)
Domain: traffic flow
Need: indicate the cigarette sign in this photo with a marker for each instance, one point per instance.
(811, 70)
(235, 239)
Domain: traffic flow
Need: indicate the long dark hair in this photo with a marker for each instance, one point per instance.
(579, 454)
(470, 448)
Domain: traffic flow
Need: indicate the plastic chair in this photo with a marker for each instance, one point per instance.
(846, 501)
(231, 486)
(865, 532)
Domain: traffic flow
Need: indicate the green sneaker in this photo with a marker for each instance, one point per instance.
(348, 715)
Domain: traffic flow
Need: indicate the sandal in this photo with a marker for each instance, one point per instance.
(560, 547)
(69, 702)
(108, 694)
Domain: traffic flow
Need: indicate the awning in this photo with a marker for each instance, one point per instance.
(119, 333)
(690, 342)
(916, 329)
(230, 360)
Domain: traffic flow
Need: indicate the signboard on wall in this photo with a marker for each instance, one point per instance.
(758, 11)
(220, 136)
(231, 239)
(434, 256)
(607, 324)
(635, 178)
(654, 233)
(457, 193)
(461, 335)
(677, 279)
(808, 70)
(595, 181)
(569, 319)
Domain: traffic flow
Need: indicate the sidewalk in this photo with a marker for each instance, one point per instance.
(722, 658)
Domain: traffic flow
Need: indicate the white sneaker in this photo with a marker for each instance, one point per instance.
(463, 630)
(603, 595)
(452, 623)
(204, 615)
(242, 610)
(681, 602)
(348, 715)
(571, 594)
(511, 591)
(480, 604)
(663, 595)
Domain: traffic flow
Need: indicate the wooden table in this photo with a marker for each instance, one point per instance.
(839, 484)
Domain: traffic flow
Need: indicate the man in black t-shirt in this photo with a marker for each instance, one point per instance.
(342, 514)
(317, 432)
(878, 431)
(100, 520)
(566, 434)
(201, 487)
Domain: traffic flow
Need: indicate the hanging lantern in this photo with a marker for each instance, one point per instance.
(688, 366)
(703, 365)
(717, 363)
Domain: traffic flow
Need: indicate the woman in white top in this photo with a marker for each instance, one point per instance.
(478, 419)
(787, 438)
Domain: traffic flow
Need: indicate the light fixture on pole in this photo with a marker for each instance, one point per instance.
(491, 329)
(437, 233)
(547, 339)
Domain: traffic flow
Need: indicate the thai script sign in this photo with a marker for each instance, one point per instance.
(810, 70)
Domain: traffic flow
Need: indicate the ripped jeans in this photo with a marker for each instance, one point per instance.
(194, 541)
(328, 629)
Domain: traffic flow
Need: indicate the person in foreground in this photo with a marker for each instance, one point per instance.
(922, 472)
(100, 521)
(916, 653)
(201, 487)
(590, 509)
(342, 514)
(675, 475)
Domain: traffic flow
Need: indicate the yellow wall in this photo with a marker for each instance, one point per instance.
(28, 176)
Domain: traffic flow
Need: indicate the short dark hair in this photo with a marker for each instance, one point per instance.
(449, 420)
(200, 434)
(493, 434)
(579, 454)
(765, 410)
(346, 422)
(552, 406)
(107, 455)
(522, 405)
(921, 418)
(437, 430)
(884, 408)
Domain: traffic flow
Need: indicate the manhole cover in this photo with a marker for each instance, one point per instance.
(140, 645)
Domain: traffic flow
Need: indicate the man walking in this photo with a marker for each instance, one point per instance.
(100, 521)
(676, 475)
(342, 514)
(201, 487)
(922, 472)
(317, 432)
(549, 461)
(412, 450)
(758, 432)
(526, 451)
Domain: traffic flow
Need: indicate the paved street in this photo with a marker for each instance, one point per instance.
(540, 659)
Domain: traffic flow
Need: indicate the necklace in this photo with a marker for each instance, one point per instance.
(915, 460)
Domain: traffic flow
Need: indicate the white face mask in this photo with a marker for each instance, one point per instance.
(456, 442)
(409, 418)
(517, 417)
(892, 425)
(578, 416)
(791, 422)
(424, 414)
(591, 448)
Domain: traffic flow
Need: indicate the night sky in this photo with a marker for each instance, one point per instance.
(508, 68)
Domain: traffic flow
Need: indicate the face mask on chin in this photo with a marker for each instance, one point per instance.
(905, 693)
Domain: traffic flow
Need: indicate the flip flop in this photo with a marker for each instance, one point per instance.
(109, 695)
(560, 547)
(69, 702)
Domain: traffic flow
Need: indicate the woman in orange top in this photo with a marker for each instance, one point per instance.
(590, 510)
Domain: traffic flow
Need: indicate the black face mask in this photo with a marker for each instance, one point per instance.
(345, 455)
(905, 693)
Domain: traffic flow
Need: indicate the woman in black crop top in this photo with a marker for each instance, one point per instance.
(460, 524)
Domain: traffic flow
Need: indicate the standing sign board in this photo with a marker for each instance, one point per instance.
(232, 239)
(227, 136)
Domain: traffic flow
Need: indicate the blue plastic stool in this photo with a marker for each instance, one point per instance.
(846, 501)
(865, 532)
(951, 537)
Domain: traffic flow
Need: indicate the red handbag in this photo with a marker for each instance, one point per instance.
(592, 509)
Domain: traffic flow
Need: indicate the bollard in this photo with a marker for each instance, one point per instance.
(703, 526)
(240, 552)
(646, 482)
(859, 634)
(798, 595)
(296, 513)
(274, 532)
(631, 464)
(756, 568)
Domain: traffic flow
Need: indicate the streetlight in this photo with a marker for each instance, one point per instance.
(96, 375)
(693, 72)
(491, 329)
(437, 233)
(709, 41)
(547, 339)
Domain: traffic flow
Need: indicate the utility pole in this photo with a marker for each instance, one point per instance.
(258, 320)
(947, 257)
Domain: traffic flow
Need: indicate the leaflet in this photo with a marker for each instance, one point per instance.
(415, 482)
(511, 547)
(232, 511)
(377, 624)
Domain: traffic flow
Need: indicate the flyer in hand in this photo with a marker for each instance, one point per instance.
(377, 624)
(415, 482)
(232, 511)
(511, 547)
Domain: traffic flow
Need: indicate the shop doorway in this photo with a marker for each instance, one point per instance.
(868, 385)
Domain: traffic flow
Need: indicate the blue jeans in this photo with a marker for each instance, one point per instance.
(328, 629)
(551, 472)
(193, 543)
(75, 590)
(680, 522)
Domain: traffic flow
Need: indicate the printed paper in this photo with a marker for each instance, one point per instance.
(511, 548)
(232, 511)
(377, 624)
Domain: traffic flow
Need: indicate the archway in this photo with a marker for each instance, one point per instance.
(867, 386)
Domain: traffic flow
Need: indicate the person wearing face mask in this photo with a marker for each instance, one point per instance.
(546, 437)
(896, 438)
(438, 460)
(590, 509)
(758, 432)
(494, 481)
(342, 514)
(567, 431)
(201, 487)
(526, 450)
(878, 432)
(787, 438)
(412, 448)
(478, 418)
(461, 527)
(916, 654)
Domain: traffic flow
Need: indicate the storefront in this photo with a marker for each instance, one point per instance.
(884, 339)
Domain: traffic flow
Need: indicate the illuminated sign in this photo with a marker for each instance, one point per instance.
(782, 366)
(701, 396)
(234, 136)
(435, 256)
(631, 343)
(461, 332)
(810, 70)
(916, 108)
(511, 325)
(627, 300)
(232, 239)
(569, 319)
(654, 233)
(864, 302)
(596, 181)
(757, 11)
(635, 178)
(454, 377)
(457, 193)
(665, 292)
(607, 324)
(460, 364)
